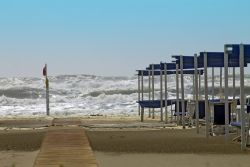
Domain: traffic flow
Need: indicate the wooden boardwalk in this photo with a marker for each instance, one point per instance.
(65, 146)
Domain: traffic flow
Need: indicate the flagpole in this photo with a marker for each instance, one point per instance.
(45, 73)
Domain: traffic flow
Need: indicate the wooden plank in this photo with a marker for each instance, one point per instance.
(65, 147)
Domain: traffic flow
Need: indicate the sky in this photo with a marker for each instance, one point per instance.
(111, 37)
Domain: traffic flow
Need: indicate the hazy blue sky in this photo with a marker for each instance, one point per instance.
(112, 37)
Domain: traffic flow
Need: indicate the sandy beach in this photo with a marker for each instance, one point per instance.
(159, 141)
(109, 83)
(124, 142)
(14, 158)
(171, 160)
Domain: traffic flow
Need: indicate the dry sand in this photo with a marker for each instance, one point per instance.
(171, 160)
(19, 148)
(17, 158)
(159, 141)
(20, 140)
(119, 142)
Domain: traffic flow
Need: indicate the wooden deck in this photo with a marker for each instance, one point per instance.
(65, 147)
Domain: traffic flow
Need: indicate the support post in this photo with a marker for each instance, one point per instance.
(199, 75)
(149, 91)
(142, 97)
(212, 108)
(171, 110)
(206, 97)
(226, 94)
(193, 87)
(161, 95)
(233, 83)
(221, 91)
(212, 83)
(196, 93)
(139, 94)
(235, 111)
(166, 93)
(142, 114)
(242, 99)
(177, 107)
(182, 94)
(153, 88)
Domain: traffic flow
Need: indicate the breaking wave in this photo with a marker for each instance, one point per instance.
(83, 94)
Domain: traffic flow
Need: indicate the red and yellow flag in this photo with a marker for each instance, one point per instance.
(45, 70)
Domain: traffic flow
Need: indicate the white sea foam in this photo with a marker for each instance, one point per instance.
(80, 95)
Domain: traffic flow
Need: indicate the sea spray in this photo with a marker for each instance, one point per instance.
(80, 95)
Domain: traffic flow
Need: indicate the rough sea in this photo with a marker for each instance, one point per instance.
(82, 95)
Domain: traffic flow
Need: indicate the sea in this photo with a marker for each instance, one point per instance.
(85, 95)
